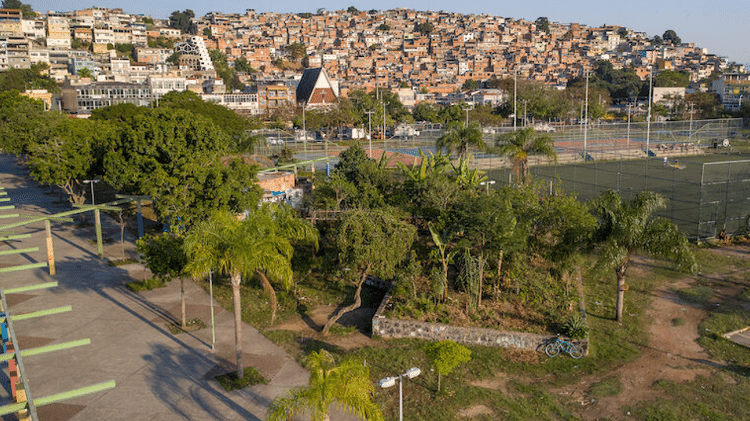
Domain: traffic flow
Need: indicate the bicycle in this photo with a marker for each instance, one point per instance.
(553, 349)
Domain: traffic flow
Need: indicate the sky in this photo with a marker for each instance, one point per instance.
(721, 26)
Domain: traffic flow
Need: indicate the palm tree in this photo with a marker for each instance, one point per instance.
(260, 244)
(520, 144)
(458, 138)
(347, 385)
(628, 227)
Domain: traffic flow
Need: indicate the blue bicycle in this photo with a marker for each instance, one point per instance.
(563, 345)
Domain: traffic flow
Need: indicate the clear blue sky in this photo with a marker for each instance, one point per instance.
(719, 25)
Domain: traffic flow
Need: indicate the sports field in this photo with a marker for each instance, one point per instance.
(705, 193)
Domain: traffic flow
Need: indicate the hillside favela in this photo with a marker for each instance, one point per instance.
(369, 215)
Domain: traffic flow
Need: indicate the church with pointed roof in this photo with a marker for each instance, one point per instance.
(316, 89)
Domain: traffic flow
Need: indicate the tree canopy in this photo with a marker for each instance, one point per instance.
(35, 77)
(26, 9)
(671, 79)
(370, 242)
(174, 156)
(626, 227)
(181, 20)
(346, 385)
(70, 153)
(671, 36)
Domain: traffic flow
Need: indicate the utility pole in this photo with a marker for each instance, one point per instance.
(515, 98)
(369, 120)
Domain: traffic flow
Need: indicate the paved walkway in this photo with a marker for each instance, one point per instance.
(160, 376)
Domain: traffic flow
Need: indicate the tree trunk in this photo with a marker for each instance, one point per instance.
(357, 303)
(439, 381)
(272, 294)
(236, 279)
(620, 290)
(183, 322)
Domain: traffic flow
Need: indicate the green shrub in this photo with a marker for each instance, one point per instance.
(230, 381)
(575, 327)
(146, 284)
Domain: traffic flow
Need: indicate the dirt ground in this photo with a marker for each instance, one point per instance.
(673, 352)
(310, 326)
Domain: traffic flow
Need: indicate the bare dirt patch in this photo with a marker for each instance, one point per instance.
(475, 411)
(672, 354)
(312, 323)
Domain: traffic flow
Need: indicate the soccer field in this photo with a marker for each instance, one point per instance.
(705, 193)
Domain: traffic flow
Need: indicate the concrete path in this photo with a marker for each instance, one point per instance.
(160, 376)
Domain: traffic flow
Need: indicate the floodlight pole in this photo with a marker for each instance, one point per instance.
(586, 118)
(648, 117)
(515, 97)
(211, 294)
(92, 181)
(390, 381)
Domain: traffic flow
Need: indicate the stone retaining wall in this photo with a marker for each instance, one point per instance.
(396, 328)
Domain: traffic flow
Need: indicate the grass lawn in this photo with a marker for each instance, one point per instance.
(500, 383)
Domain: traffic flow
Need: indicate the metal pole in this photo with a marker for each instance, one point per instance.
(628, 141)
(213, 326)
(304, 128)
(92, 181)
(385, 139)
(400, 398)
(139, 218)
(700, 199)
(586, 118)
(369, 122)
(648, 118)
(515, 98)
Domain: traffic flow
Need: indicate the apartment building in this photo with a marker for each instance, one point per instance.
(10, 22)
(83, 98)
(34, 28)
(58, 32)
(14, 52)
(733, 88)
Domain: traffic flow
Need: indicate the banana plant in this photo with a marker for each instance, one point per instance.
(466, 177)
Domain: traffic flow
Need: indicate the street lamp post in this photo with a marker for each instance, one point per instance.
(466, 108)
(391, 381)
(487, 183)
(92, 181)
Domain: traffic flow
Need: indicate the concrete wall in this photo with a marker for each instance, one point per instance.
(395, 328)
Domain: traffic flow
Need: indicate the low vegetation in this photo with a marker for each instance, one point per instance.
(251, 376)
